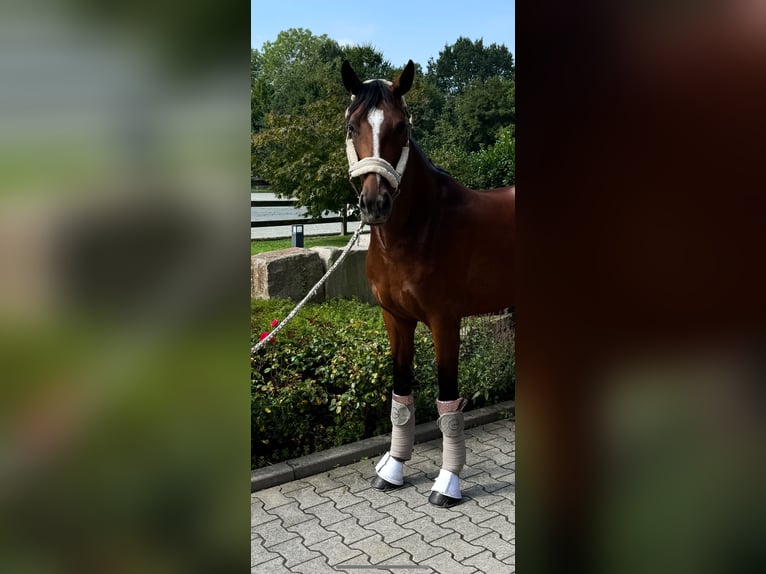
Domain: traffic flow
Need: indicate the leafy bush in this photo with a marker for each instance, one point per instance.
(326, 379)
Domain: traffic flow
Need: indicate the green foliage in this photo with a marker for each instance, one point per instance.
(494, 166)
(484, 107)
(326, 379)
(302, 156)
(463, 63)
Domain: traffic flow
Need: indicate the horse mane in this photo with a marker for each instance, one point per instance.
(373, 93)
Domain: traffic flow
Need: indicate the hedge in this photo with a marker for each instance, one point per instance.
(326, 379)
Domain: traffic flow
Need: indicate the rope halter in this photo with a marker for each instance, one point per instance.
(359, 167)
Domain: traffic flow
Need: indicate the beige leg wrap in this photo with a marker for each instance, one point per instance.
(403, 431)
(451, 423)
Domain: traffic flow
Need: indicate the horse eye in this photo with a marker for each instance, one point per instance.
(351, 129)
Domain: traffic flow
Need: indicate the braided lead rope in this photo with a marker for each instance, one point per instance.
(311, 293)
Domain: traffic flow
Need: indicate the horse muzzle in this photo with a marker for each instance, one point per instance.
(375, 206)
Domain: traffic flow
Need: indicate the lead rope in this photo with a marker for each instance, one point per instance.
(311, 293)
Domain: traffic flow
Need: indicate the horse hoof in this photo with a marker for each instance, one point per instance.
(442, 500)
(383, 485)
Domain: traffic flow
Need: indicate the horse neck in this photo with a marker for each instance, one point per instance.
(414, 208)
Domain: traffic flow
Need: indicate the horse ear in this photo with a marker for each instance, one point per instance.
(403, 82)
(350, 79)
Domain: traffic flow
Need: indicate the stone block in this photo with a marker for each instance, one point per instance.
(286, 274)
(349, 279)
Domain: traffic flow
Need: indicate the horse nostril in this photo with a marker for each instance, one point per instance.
(362, 203)
(384, 201)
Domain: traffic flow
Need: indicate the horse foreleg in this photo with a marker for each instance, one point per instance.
(446, 489)
(390, 469)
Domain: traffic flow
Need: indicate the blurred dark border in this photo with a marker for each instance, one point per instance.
(640, 314)
(124, 298)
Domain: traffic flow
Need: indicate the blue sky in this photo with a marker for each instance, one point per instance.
(399, 29)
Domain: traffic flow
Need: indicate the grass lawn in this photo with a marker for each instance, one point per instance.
(263, 245)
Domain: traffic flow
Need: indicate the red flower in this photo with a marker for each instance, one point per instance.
(263, 335)
(274, 323)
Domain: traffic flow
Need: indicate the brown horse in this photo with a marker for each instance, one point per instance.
(439, 251)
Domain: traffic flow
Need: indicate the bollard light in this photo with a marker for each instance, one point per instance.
(297, 235)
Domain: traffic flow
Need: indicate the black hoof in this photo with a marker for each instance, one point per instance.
(382, 484)
(442, 500)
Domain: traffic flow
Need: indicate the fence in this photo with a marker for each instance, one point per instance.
(343, 219)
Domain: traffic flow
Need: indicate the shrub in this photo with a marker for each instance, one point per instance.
(326, 379)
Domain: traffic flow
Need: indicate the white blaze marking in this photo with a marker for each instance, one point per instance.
(375, 119)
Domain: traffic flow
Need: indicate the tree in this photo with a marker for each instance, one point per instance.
(482, 108)
(303, 156)
(464, 62)
(293, 71)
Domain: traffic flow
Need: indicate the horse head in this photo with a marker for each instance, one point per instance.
(377, 140)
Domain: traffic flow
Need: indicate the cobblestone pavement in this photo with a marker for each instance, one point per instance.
(336, 522)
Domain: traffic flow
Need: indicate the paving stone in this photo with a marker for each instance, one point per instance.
(290, 514)
(294, 552)
(412, 496)
(480, 434)
(293, 485)
(349, 530)
(306, 497)
(354, 482)
(322, 482)
(272, 533)
(341, 497)
(389, 529)
(459, 548)
(366, 468)
(377, 498)
(327, 513)
(499, 457)
(364, 513)
(493, 469)
(374, 547)
(487, 482)
(507, 509)
(258, 553)
(476, 513)
(364, 561)
(401, 513)
(402, 562)
(427, 466)
(495, 426)
(416, 547)
(474, 459)
(443, 563)
(502, 526)
(257, 514)
(336, 473)
(437, 514)
(509, 494)
(275, 566)
(496, 545)
(310, 531)
(428, 529)
(469, 471)
(315, 566)
(483, 498)
(272, 498)
(477, 447)
(467, 529)
(485, 562)
(335, 550)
